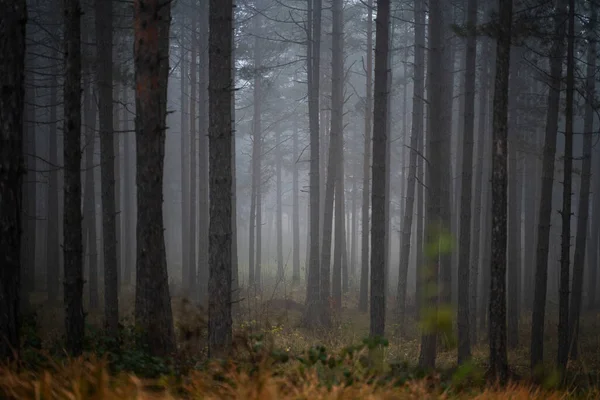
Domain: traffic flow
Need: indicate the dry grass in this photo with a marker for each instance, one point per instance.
(279, 327)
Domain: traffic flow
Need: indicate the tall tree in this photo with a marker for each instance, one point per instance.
(380, 137)
(337, 127)
(464, 265)
(435, 222)
(255, 202)
(190, 269)
(497, 304)
(565, 253)
(13, 21)
(335, 142)
(364, 270)
(545, 208)
(72, 231)
(53, 237)
(313, 74)
(203, 203)
(295, 209)
(279, 204)
(416, 135)
(185, 167)
(152, 20)
(104, 38)
(220, 135)
(584, 189)
(89, 194)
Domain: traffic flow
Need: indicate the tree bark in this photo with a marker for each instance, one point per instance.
(73, 241)
(478, 193)
(185, 173)
(313, 51)
(497, 304)
(190, 270)
(203, 189)
(464, 255)
(417, 133)
(565, 254)
(89, 201)
(13, 21)
(364, 272)
(104, 34)
(53, 237)
(378, 195)
(584, 191)
(220, 137)
(545, 208)
(153, 313)
(295, 210)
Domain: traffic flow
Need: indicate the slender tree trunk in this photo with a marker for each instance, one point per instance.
(584, 192)
(152, 301)
(417, 133)
(497, 304)
(313, 59)
(378, 194)
(437, 86)
(477, 209)
(189, 278)
(337, 160)
(53, 238)
(104, 35)
(295, 210)
(464, 255)
(545, 208)
(72, 243)
(514, 221)
(203, 189)
(364, 273)
(185, 174)
(565, 256)
(279, 205)
(129, 209)
(333, 168)
(13, 21)
(89, 202)
(255, 267)
(221, 175)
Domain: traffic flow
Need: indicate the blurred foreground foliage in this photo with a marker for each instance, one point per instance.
(116, 368)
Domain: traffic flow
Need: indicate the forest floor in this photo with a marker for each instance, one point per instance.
(275, 357)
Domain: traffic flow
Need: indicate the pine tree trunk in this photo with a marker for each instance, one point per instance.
(464, 254)
(203, 189)
(53, 237)
(546, 191)
(417, 133)
(220, 175)
(152, 303)
(89, 201)
(279, 205)
(364, 272)
(13, 20)
(478, 193)
(189, 278)
(313, 52)
(185, 174)
(72, 243)
(379, 169)
(499, 185)
(565, 254)
(295, 210)
(584, 193)
(104, 34)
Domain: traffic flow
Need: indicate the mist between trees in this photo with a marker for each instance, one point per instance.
(427, 169)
